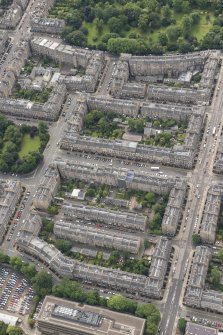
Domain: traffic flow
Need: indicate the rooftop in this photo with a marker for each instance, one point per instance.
(88, 319)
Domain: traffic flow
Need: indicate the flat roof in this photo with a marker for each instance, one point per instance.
(87, 318)
(195, 329)
(8, 319)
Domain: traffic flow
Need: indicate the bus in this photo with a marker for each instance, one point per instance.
(214, 131)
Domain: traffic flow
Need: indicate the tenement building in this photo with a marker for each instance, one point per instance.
(10, 192)
(210, 214)
(93, 236)
(47, 188)
(174, 209)
(118, 177)
(151, 286)
(196, 294)
(119, 219)
(49, 110)
(91, 61)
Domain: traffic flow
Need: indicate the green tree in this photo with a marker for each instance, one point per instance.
(196, 239)
(99, 23)
(215, 275)
(220, 255)
(173, 32)
(29, 270)
(42, 284)
(181, 6)
(76, 38)
(186, 25)
(162, 38)
(132, 12)
(151, 328)
(115, 24)
(3, 328)
(4, 258)
(150, 197)
(63, 245)
(148, 311)
(14, 330)
(121, 304)
(16, 262)
(182, 325)
(53, 210)
(13, 134)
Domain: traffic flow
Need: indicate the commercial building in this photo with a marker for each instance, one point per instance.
(61, 317)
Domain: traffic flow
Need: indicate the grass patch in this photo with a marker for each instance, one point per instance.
(29, 144)
(204, 26)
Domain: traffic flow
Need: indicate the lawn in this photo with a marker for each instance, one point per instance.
(204, 26)
(29, 144)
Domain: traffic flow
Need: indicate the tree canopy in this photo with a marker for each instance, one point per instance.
(132, 27)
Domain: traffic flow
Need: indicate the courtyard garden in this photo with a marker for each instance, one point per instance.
(21, 146)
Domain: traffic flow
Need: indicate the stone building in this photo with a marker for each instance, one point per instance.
(47, 188)
(91, 61)
(10, 192)
(198, 275)
(158, 267)
(119, 219)
(124, 107)
(118, 177)
(50, 110)
(210, 214)
(196, 294)
(87, 82)
(47, 25)
(218, 163)
(174, 208)
(17, 61)
(3, 40)
(168, 65)
(11, 17)
(167, 111)
(178, 95)
(101, 276)
(180, 156)
(105, 238)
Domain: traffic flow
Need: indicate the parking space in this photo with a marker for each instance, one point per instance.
(15, 292)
